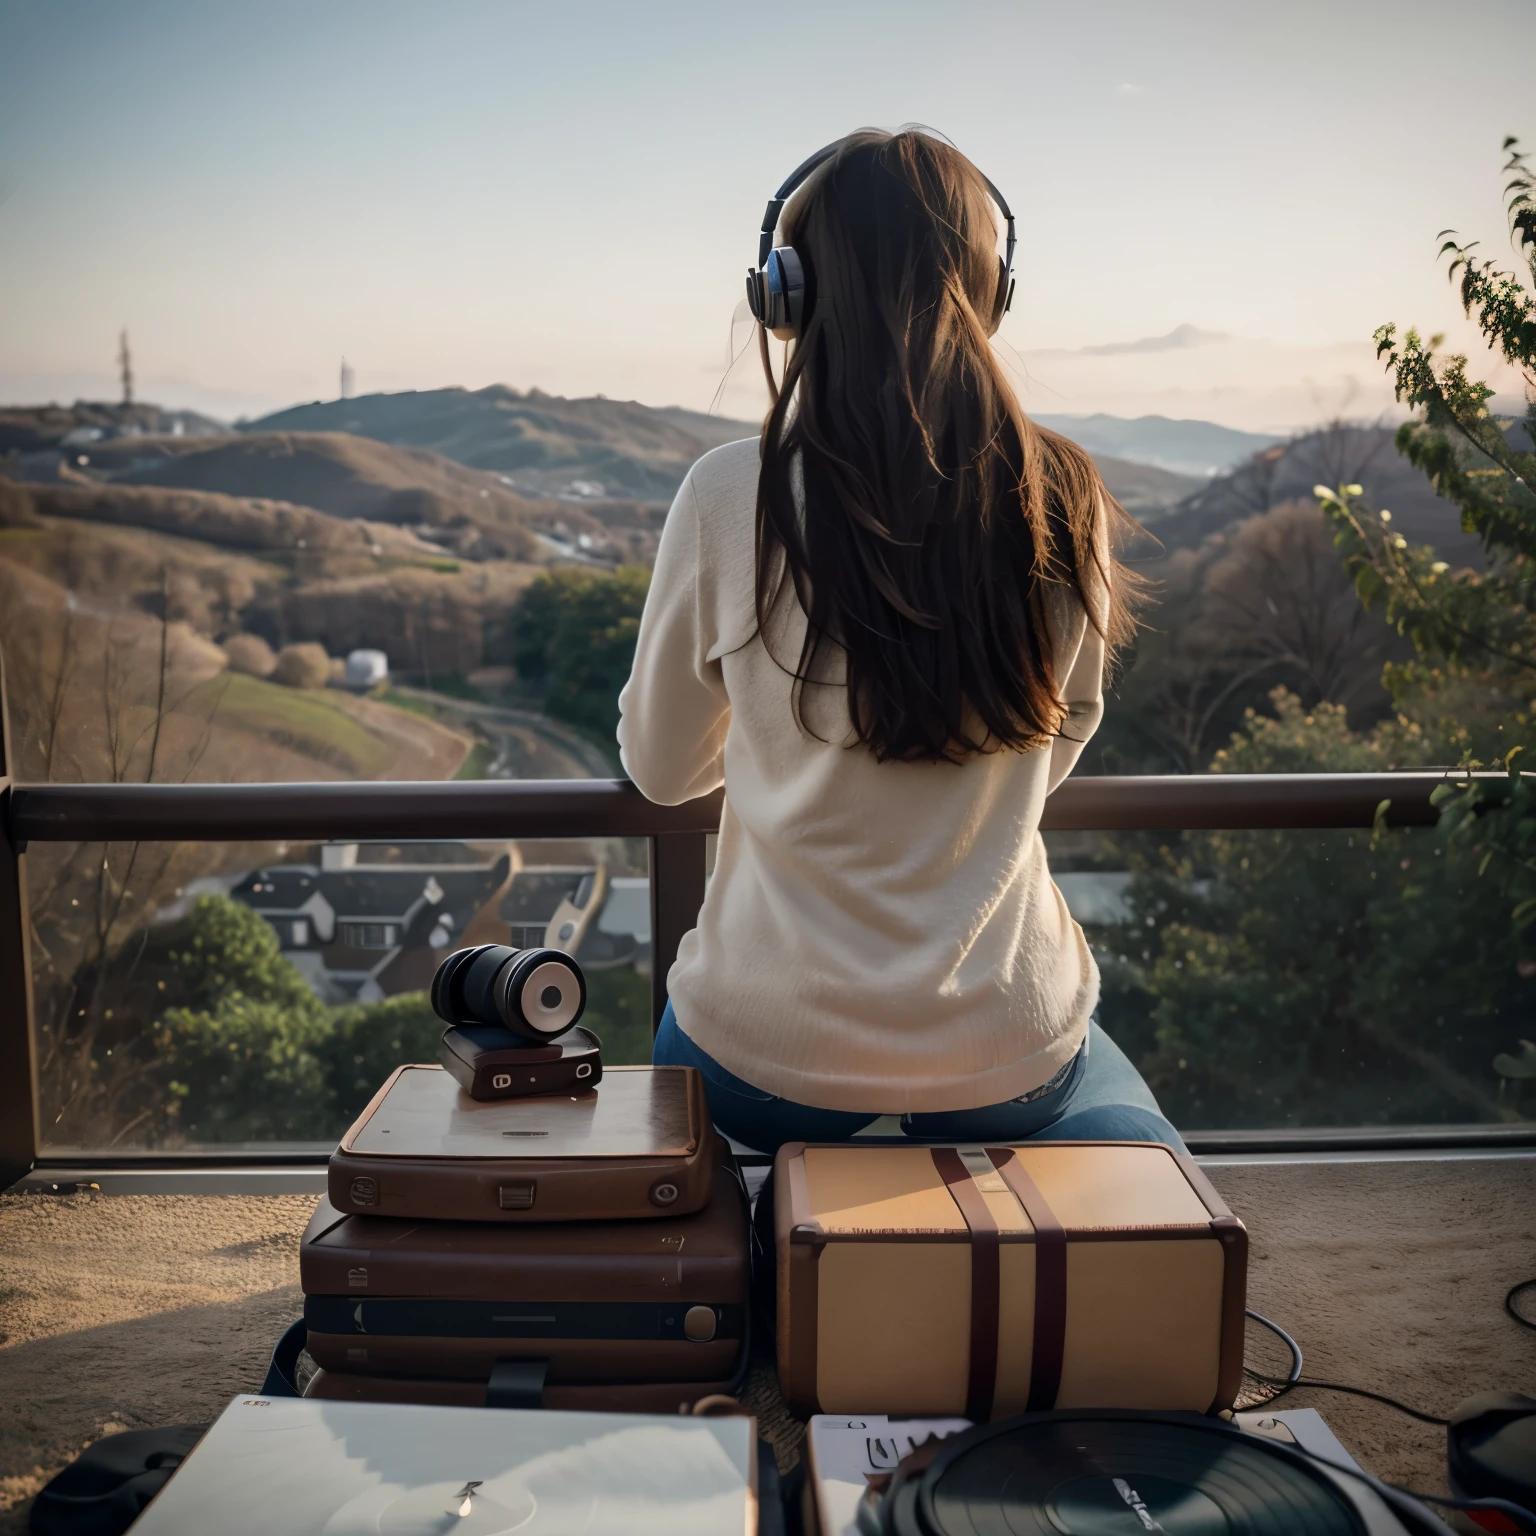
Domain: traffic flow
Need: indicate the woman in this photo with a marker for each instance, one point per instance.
(884, 628)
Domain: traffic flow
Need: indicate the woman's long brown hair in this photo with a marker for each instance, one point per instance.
(934, 518)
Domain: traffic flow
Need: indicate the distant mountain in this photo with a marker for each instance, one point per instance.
(1184, 447)
(595, 447)
(542, 444)
(1332, 456)
(1179, 339)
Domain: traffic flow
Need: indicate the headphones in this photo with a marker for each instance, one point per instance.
(776, 286)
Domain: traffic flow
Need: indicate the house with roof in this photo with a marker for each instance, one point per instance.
(603, 920)
(371, 920)
(365, 921)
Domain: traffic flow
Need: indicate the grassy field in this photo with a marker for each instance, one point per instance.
(481, 756)
(406, 701)
(311, 722)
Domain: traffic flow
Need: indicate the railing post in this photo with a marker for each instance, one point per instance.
(18, 1055)
(677, 893)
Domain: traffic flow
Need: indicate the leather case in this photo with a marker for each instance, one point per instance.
(488, 1062)
(918, 1280)
(610, 1397)
(639, 1145)
(651, 1301)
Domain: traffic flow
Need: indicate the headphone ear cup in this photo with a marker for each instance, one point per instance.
(784, 291)
(1004, 293)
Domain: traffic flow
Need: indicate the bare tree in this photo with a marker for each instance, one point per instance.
(1279, 597)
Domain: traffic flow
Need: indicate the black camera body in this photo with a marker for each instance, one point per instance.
(489, 1063)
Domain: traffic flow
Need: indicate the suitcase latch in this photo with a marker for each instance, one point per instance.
(699, 1324)
(517, 1197)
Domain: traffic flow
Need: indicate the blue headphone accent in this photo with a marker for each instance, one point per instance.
(776, 286)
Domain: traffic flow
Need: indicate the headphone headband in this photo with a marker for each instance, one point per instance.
(791, 182)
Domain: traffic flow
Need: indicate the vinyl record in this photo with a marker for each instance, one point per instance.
(1122, 1474)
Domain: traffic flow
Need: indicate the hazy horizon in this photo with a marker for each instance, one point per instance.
(483, 193)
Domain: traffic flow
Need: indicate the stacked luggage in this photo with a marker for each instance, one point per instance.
(581, 1248)
(498, 1231)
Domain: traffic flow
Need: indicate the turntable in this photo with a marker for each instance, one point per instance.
(1089, 1473)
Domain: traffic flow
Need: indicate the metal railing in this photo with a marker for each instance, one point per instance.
(352, 812)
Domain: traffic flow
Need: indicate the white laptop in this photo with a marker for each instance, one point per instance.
(296, 1467)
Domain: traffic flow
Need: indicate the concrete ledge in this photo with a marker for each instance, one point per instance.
(291, 1179)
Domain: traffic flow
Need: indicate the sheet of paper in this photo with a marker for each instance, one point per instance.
(846, 1451)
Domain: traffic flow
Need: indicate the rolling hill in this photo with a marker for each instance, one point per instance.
(332, 472)
(543, 443)
(27, 428)
(1333, 456)
(1199, 448)
(546, 444)
(254, 524)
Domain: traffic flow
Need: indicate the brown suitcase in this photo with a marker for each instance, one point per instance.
(615, 1397)
(640, 1144)
(634, 1301)
(985, 1281)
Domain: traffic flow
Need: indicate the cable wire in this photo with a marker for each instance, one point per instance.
(1296, 1379)
(1290, 1344)
(1393, 1494)
(1509, 1303)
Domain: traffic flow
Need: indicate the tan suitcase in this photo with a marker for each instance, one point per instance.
(639, 1145)
(602, 1301)
(987, 1281)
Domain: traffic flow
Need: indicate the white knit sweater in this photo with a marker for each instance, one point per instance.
(877, 936)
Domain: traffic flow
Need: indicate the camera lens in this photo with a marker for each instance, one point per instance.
(448, 1001)
(535, 993)
(478, 987)
(541, 993)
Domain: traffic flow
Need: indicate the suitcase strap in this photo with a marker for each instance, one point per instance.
(1050, 1331)
(986, 1282)
(1050, 1322)
(517, 1384)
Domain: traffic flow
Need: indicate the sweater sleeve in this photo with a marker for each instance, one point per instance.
(1084, 697)
(1083, 689)
(674, 712)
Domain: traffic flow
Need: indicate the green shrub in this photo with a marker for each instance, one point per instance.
(1281, 978)
(247, 1070)
(367, 1041)
(619, 1014)
(573, 637)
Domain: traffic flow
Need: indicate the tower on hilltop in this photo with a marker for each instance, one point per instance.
(346, 380)
(125, 364)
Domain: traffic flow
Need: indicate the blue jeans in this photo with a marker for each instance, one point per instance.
(1098, 1096)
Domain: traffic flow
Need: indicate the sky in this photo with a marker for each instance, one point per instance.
(567, 196)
